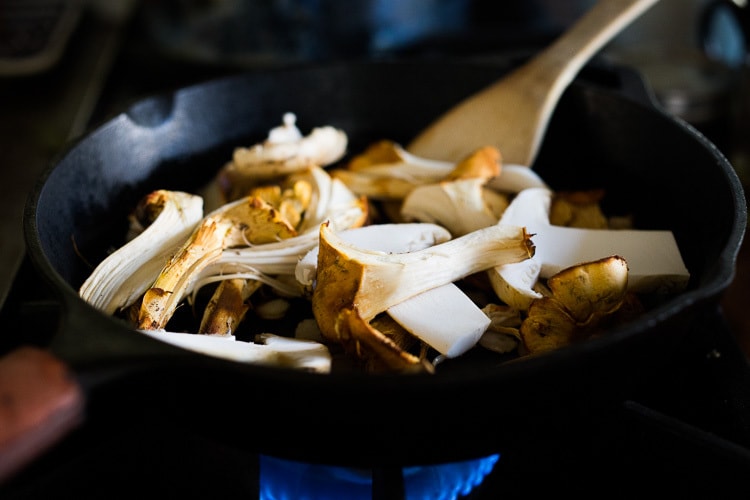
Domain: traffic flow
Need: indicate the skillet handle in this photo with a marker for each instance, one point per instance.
(40, 402)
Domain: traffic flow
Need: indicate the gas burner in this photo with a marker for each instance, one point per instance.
(289, 479)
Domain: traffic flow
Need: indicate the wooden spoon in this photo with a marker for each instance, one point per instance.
(514, 112)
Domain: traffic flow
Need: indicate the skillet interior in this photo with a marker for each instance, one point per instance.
(659, 170)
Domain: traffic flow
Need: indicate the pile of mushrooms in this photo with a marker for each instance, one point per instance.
(404, 261)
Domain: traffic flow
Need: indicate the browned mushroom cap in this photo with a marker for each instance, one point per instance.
(386, 171)
(581, 298)
(578, 209)
(484, 163)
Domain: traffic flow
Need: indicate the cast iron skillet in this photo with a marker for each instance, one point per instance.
(654, 167)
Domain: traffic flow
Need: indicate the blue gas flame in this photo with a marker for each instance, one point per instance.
(289, 480)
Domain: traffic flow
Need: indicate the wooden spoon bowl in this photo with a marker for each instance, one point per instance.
(513, 113)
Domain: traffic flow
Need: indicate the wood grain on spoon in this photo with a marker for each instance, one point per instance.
(513, 113)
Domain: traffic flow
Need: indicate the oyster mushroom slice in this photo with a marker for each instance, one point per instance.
(223, 244)
(331, 199)
(443, 317)
(590, 290)
(514, 283)
(270, 350)
(461, 206)
(654, 260)
(581, 298)
(386, 170)
(228, 306)
(390, 238)
(121, 278)
(354, 284)
(232, 225)
(515, 178)
(286, 150)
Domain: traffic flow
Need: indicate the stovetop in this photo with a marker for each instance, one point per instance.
(684, 433)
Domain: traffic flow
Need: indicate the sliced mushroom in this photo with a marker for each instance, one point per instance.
(388, 238)
(461, 206)
(285, 151)
(270, 350)
(228, 306)
(503, 333)
(443, 317)
(284, 207)
(331, 201)
(578, 209)
(354, 285)
(122, 278)
(238, 239)
(460, 202)
(582, 296)
(515, 178)
(385, 170)
(654, 259)
(224, 228)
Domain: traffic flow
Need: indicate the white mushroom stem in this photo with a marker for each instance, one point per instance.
(445, 318)
(121, 278)
(388, 238)
(654, 260)
(272, 350)
(383, 280)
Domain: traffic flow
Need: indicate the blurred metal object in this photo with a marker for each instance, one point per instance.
(240, 33)
(282, 31)
(35, 33)
(725, 37)
(692, 86)
(725, 31)
(669, 46)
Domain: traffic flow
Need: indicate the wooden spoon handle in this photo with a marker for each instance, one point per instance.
(557, 65)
